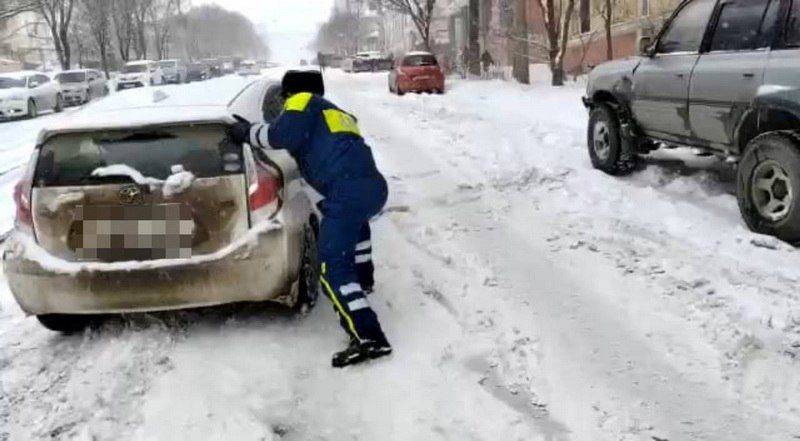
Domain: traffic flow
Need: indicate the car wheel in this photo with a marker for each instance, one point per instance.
(33, 111)
(65, 323)
(605, 142)
(399, 90)
(768, 185)
(440, 91)
(308, 281)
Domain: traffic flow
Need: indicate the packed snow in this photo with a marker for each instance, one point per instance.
(527, 295)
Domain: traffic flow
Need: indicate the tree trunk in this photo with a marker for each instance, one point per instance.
(519, 46)
(608, 20)
(558, 71)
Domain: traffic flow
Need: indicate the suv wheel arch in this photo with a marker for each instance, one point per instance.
(757, 121)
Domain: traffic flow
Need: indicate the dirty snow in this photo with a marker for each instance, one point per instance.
(178, 182)
(127, 171)
(528, 296)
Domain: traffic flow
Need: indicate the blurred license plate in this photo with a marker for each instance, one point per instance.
(142, 232)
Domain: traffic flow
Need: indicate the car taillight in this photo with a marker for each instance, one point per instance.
(22, 199)
(264, 191)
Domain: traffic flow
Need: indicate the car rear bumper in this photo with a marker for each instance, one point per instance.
(421, 84)
(257, 272)
(71, 98)
(129, 85)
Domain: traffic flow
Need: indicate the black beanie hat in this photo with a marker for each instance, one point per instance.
(296, 81)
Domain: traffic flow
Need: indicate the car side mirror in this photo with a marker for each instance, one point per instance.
(645, 46)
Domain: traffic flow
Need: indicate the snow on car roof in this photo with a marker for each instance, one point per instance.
(418, 53)
(138, 62)
(134, 117)
(21, 74)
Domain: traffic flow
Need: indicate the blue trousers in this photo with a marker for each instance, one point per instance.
(344, 240)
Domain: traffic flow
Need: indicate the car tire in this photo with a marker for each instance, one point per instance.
(65, 323)
(399, 90)
(33, 111)
(605, 142)
(308, 280)
(768, 185)
(440, 91)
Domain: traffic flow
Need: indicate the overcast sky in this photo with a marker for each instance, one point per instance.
(291, 24)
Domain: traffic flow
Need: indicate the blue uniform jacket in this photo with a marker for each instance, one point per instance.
(324, 140)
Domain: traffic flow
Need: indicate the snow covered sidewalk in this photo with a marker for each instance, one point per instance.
(528, 297)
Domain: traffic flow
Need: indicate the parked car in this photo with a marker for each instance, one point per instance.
(174, 71)
(214, 222)
(248, 67)
(26, 93)
(416, 72)
(139, 74)
(369, 61)
(81, 85)
(720, 77)
(214, 67)
(197, 72)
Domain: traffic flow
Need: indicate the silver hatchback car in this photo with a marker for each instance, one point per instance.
(164, 213)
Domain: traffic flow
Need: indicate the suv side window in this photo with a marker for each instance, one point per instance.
(42, 79)
(791, 36)
(686, 30)
(744, 25)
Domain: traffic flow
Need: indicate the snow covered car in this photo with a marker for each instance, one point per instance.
(24, 94)
(79, 86)
(154, 208)
(139, 74)
(248, 68)
(416, 72)
(174, 71)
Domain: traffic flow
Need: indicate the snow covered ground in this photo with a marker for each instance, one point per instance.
(528, 296)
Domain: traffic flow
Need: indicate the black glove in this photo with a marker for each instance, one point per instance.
(239, 132)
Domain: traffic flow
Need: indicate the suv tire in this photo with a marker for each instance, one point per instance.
(768, 185)
(605, 142)
(65, 323)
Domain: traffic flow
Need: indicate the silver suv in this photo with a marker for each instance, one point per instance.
(721, 77)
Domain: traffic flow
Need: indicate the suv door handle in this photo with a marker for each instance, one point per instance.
(679, 75)
(748, 75)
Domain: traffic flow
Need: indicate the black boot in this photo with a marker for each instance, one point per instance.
(360, 351)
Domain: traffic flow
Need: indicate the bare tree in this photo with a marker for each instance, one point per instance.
(519, 46)
(96, 14)
(122, 19)
(58, 16)
(11, 8)
(162, 14)
(557, 28)
(421, 14)
(141, 12)
(605, 9)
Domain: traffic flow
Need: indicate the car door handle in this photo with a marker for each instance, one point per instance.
(748, 75)
(680, 75)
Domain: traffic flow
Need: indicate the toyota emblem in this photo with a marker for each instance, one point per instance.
(131, 195)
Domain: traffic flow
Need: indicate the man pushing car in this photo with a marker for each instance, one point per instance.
(334, 159)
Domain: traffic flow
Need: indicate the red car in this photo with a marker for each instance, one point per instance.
(416, 72)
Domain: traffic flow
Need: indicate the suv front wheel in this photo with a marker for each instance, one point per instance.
(605, 142)
(768, 185)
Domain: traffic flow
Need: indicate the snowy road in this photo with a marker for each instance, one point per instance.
(528, 297)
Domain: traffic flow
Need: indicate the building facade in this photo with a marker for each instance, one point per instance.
(25, 39)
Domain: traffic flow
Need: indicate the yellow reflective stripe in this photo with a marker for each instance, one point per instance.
(338, 305)
(340, 122)
(297, 102)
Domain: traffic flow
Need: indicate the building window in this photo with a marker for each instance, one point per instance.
(645, 8)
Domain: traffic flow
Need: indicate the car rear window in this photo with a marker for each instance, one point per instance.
(168, 64)
(71, 77)
(792, 35)
(420, 60)
(70, 159)
(134, 68)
